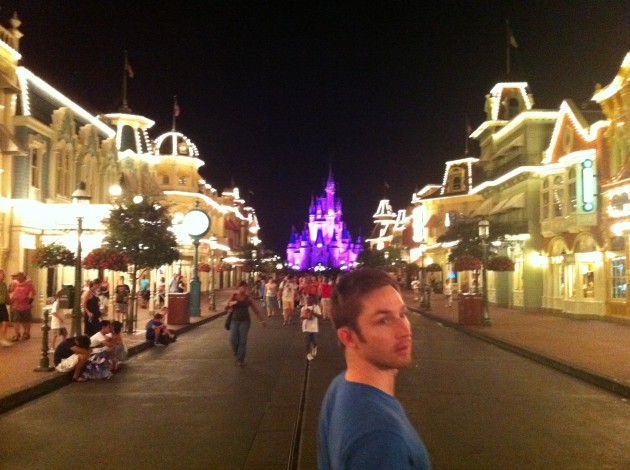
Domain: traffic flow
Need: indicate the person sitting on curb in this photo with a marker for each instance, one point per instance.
(106, 338)
(158, 333)
(72, 354)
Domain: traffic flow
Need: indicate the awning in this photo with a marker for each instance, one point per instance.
(8, 142)
(433, 222)
(484, 208)
(500, 207)
(515, 202)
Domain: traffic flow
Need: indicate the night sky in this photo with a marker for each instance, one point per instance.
(272, 93)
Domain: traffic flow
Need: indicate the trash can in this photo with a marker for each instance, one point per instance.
(178, 308)
(469, 309)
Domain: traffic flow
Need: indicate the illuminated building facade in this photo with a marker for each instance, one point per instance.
(325, 241)
(49, 144)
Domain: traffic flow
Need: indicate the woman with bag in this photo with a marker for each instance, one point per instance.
(238, 307)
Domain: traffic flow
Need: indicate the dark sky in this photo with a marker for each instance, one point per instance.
(274, 92)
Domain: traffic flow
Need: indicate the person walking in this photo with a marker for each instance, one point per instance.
(361, 423)
(57, 322)
(271, 297)
(22, 293)
(239, 304)
(447, 290)
(4, 311)
(91, 308)
(325, 292)
(288, 292)
(122, 291)
(310, 326)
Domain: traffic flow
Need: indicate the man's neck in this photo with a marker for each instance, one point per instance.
(361, 372)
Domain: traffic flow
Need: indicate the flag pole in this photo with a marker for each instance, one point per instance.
(175, 111)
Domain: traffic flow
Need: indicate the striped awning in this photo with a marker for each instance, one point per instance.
(484, 208)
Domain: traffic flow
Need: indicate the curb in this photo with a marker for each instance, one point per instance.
(58, 380)
(599, 380)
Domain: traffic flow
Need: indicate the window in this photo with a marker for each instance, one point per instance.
(572, 192)
(181, 180)
(557, 202)
(165, 179)
(35, 168)
(618, 278)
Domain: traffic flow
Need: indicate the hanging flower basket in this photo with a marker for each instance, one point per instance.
(433, 268)
(49, 256)
(467, 263)
(203, 268)
(500, 263)
(101, 258)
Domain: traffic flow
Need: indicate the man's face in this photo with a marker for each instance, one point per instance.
(384, 336)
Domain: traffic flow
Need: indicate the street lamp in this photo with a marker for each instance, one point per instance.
(484, 233)
(196, 223)
(80, 197)
(212, 299)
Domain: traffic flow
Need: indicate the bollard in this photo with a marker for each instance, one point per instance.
(44, 362)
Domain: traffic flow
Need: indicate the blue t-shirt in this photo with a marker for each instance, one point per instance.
(362, 427)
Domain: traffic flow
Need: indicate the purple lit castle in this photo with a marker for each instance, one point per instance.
(325, 241)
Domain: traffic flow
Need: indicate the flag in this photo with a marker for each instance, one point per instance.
(386, 185)
(468, 128)
(510, 36)
(128, 68)
(176, 109)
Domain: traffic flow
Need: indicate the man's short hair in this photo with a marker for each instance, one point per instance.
(347, 296)
(105, 323)
(82, 341)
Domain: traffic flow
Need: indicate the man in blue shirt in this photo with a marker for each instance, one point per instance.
(361, 424)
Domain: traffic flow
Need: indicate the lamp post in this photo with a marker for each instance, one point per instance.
(196, 223)
(80, 197)
(212, 294)
(484, 233)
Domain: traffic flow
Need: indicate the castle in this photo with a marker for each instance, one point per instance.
(325, 241)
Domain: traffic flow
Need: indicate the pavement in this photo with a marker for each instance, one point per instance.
(594, 350)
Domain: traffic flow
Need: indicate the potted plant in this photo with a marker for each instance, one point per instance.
(203, 267)
(467, 263)
(433, 268)
(500, 263)
(103, 258)
(49, 256)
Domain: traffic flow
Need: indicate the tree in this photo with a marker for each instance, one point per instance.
(141, 230)
(466, 231)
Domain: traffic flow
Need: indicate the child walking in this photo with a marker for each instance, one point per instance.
(310, 326)
(447, 290)
(57, 323)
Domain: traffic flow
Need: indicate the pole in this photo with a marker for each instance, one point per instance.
(195, 287)
(484, 280)
(213, 302)
(44, 361)
(76, 304)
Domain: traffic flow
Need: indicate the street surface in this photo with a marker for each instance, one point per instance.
(189, 406)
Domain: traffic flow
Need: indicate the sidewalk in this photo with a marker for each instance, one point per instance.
(24, 377)
(597, 351)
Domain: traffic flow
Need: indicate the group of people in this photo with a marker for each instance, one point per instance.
(361, 424)
(92, 357)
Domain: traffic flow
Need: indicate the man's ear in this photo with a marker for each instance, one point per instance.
(346, 336)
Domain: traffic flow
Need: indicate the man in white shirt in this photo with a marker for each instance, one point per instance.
(288, 290)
